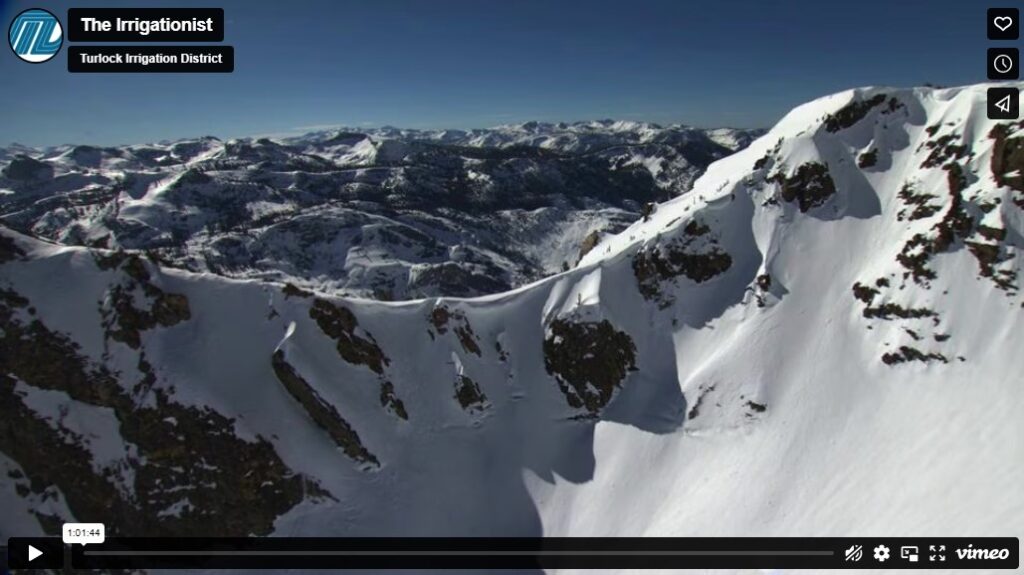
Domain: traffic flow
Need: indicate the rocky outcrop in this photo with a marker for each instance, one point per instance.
(588, 360)
(695, 255)
(354, 345)
(321, 412)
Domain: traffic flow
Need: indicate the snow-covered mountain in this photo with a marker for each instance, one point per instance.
(819, 339)
(386, 213)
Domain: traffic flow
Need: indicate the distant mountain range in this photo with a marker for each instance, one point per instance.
(385, 214)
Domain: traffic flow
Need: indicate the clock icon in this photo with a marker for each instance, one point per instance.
(1002, 63)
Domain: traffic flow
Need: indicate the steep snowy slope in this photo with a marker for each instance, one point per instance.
(819, 339)
(387, 214)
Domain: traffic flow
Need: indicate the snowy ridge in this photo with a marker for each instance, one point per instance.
(818, 339)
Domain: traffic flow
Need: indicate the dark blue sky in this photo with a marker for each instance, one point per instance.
(478, 63)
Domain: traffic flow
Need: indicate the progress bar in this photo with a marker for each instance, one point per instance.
(453, 553)
(529, 553)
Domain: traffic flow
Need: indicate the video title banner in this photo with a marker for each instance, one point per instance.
(146, 24)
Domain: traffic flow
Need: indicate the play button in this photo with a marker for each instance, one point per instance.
(33, 553)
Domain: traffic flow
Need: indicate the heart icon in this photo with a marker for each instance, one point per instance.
(1002, 22)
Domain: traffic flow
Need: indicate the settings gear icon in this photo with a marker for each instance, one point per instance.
(881, 553)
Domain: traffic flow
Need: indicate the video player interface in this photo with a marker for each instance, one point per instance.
(526, 287)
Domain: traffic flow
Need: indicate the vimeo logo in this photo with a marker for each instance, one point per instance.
(989, 554)
(36, 35)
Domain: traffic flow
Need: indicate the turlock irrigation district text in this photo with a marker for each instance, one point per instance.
(147, 59)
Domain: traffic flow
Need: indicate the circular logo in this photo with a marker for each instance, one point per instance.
(36, 35)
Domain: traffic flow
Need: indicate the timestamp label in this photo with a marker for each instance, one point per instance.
(83, 533)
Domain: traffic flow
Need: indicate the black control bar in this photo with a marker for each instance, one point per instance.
(529, 553)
